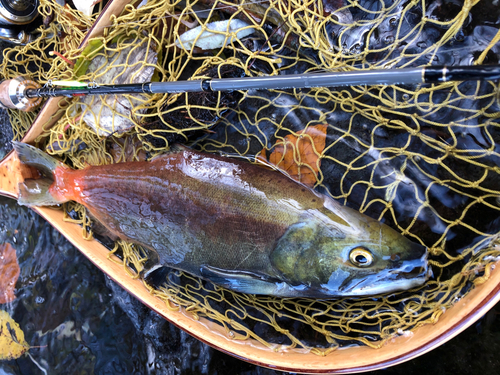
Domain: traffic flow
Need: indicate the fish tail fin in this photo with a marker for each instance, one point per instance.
(37, 192)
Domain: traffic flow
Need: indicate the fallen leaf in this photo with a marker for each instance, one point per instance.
(213, 35)
(82, 64)
(85, 6)
(12, 344)
(107, 114)
(9, 272)
(298, 155)
(126, 149)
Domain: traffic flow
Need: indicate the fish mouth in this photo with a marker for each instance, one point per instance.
(410, 274)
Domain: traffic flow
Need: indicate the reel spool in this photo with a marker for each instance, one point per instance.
(13, 94)
(18, 12)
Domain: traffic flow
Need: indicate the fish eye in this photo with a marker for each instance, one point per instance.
(361, 257)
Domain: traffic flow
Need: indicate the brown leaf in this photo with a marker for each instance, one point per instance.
(299, 155)
(9, 272)
(126, 149)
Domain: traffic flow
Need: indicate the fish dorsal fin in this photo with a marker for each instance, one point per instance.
(263, 163)
(266, 164)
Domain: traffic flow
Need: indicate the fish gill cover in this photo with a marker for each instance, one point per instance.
(422, 158)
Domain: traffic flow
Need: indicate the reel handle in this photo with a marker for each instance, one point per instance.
(13, 94)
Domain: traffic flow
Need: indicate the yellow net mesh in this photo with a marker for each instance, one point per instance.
(424, 159)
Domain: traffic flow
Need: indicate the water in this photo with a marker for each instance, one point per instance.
(6, 134)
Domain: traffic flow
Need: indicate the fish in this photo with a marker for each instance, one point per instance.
(226, 220)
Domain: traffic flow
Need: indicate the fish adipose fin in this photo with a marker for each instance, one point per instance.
(241, 281)
(36, 192)
(177, 147)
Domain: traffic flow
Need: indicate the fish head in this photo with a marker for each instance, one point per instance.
(337, 251)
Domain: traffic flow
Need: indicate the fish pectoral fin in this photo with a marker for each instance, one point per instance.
(241, 281)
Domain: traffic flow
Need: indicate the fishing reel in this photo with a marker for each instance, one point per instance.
(13, 94)
(18, 12)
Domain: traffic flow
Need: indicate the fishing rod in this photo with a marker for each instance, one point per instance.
(26, 95)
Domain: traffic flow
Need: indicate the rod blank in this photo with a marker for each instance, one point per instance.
(363, 77)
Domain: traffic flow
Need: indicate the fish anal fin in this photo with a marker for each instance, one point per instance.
(101, 232)
(108, 238)
(156, 276)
